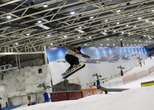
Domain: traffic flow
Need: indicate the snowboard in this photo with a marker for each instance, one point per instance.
(72, 71)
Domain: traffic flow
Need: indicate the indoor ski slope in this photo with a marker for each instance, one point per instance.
(135, 99)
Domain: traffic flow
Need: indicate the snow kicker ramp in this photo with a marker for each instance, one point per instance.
(136, 99)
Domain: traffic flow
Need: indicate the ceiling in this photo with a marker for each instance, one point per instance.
(31, 25)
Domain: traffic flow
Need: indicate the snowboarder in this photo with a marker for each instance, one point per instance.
(72, 57)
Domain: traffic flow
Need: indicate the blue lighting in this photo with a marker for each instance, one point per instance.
(54, 54)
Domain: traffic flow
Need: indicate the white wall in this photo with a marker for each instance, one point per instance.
(22, 82)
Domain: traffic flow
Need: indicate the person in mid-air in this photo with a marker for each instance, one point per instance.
(72, 57)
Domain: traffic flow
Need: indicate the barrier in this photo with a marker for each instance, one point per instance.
(88, 92)
(61, 96)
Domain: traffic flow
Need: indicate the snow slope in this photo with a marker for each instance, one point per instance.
(135, 99)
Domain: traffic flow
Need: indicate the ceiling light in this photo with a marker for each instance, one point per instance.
(79, 37)
(90, 37)
(85, 44)
(16, 43)
(152, 10)
(28, 34)
(120, 39)
(80, 27)
(104, 33)
(139, 18)
(65, 36)
(51, 43)
(122, 32)
(127, 25)
(91, 17)
(45, 5)
(48, 35)
(118, 11)
(114, 31)
(105, 30)
(108, 39)
(153, 23)
(80, 31)
(43, 26)
(134, 26)
(39, 21)
(72, 13)
(106, 20)
(118, 23)
(144, 35)
(9, 17)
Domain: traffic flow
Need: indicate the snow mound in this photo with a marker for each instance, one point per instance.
(135, 99)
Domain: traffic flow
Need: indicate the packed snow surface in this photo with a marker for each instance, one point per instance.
(134, 99)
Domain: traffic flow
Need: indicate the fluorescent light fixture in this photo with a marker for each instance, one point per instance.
(51, 43)
(48, 35)
(85, 44)
(65, 36)
(43, 26)
(90, 37)
(28, 34)
(45, 5)
(8, 17)
(135, 26)
(72, 13)
(118, 11)
(79, 37)
(39, 21)
(16, 43)
(80, 31)
(104, 33)
(114, 31)
(80, 27)
(122, 32)
(118, 23)
(105, 30)
(106, 20)
(139, 18)
(91, 17)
